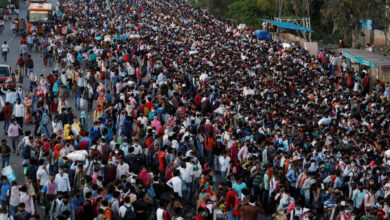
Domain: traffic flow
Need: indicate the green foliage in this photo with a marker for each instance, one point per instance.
(219, 7)
(344, 15)
(267, 7)
(197, 4)
(249, 12)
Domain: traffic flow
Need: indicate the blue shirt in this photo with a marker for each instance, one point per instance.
(338, 182)
(358, 196)
(5, 187)
(291, 178)
(239, 187)
(330, 203)
(77, 202)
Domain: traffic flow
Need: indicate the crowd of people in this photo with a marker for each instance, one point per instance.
(174, 114)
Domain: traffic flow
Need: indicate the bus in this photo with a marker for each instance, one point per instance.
(37, 1)
(38, 14)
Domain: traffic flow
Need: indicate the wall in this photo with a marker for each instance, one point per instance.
(375, 37)
(312, 47)
(379, 37)
(384, 74)
(292, 38)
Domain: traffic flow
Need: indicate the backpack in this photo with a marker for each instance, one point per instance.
(80, 210)
(169, 172)
(26, 152)
(21, 61)
(129, 214)
(167, 215)
(30, 63)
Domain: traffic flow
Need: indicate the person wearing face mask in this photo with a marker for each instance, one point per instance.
(122, 168)
(14, 133)
(79, 178)
(371, 182)
(358, 195)
(125, 147)
(64, 206)
(62, 180)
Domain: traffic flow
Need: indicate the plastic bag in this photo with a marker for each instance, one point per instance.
(9, 173)
(78, 155)
(83, 103)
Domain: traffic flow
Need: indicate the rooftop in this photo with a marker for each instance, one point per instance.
(366, 57)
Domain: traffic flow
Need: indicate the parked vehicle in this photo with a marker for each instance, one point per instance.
(7, 79)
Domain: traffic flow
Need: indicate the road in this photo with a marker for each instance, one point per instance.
(39, 68)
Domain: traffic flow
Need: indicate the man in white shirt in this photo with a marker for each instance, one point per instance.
(4, 50)
(137, 147)
(62, 181)
(161, 210)
(175, 183)
(43, 174)
(224, 161)
(121, 169)
(19, 112)
(188, 177)
(114, 142)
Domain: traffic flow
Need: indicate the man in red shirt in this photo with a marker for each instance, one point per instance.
(161, 162)
(230, 202)
(7, 110)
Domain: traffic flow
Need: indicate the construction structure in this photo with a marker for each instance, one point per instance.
(303, 22)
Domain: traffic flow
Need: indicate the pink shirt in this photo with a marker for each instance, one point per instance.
(13, 130)
(156, 124)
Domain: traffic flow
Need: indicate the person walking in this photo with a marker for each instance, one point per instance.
(21, 63)
(29, 66)
(231, 196)
(4, 51)
(7, 111)
(49, 190)
(19, 112)
(5, 152)
(13, 133)
(14, 200)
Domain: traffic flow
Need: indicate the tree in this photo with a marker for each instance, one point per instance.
(345, 15)
(302, 8)
(245, 11)
(267, 7)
